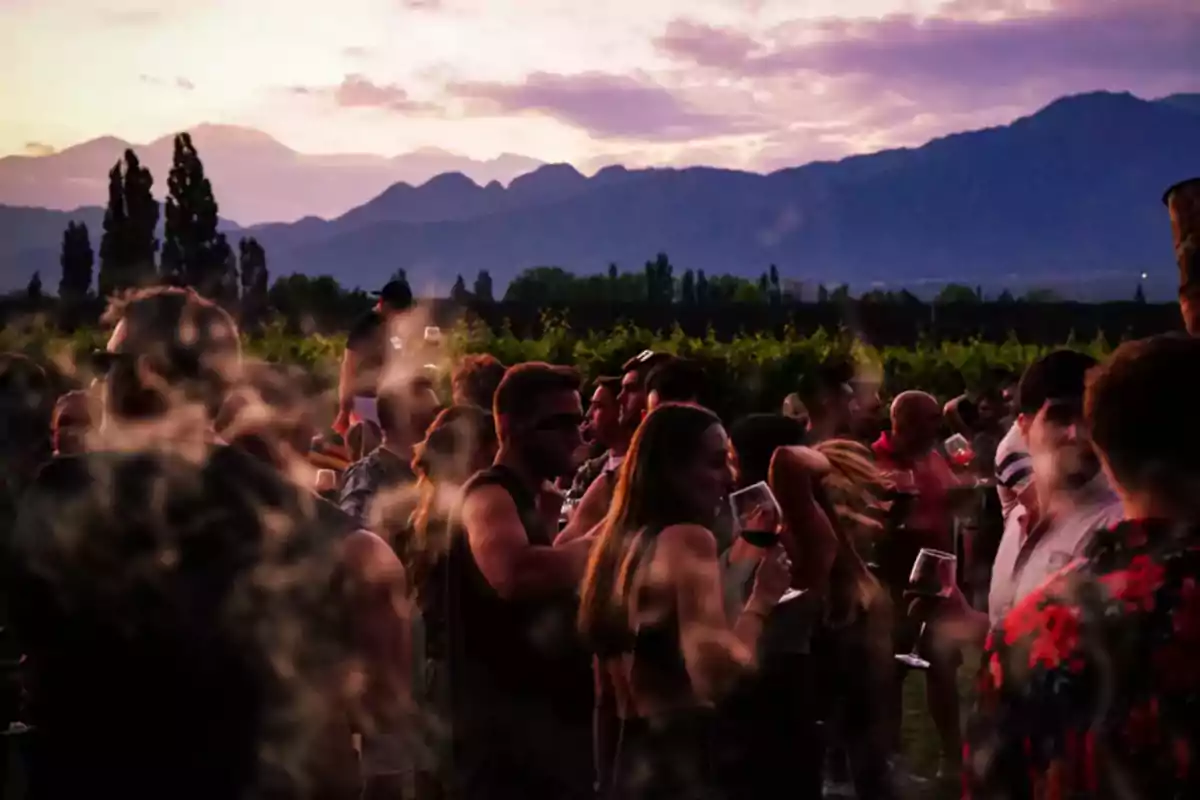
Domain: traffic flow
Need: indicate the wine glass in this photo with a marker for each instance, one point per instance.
(568, 508)
(756, 515)
(933, 575)
(959, 450)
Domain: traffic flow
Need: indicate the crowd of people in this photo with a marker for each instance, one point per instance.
(508, 593)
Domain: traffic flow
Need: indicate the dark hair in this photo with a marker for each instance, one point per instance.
(401, 407)
(645, 361)
(457, 430)
(1060, 374)
(190, 343)
(476, 379)
(609, 382)
(1142, 420)
(677, 380)
(525, 384)
(827, 379)
(643, 501)
(755, 439)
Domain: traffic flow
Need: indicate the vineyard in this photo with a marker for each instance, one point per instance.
(753, 372)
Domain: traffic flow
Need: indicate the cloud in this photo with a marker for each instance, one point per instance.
(422, 5)
(358, 91)
(355, 52)
(705, 45)
(185, 84)
(38, 149)
(606, 106)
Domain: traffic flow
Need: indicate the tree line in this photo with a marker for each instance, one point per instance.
(193, 252)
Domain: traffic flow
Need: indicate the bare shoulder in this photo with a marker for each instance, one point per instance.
(370, 558)
(694, 541)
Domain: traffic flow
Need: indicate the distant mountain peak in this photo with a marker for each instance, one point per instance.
(448, 180)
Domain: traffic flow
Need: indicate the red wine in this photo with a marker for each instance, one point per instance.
(760, 538)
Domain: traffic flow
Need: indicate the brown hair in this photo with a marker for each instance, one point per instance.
(1141, 420)
(476, 379)
(524, 384)
(446, 456)
(644, 502)
(189, 342)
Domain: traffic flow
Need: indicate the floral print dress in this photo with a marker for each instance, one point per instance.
(1090, 687)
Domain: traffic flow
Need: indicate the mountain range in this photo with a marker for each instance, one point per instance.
(258, 178)
(1067, 197)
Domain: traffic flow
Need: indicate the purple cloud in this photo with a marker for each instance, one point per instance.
(358, 91)
(705, 45)
(1139, 44)
(606, 106)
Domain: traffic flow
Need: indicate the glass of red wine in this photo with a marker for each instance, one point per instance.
(959, 450)
(933, 575)
(757, 515)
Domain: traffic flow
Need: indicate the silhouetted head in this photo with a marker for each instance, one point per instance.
(755, 439)
(476, 379)
(539, 415)
(1145, 426)
(1050, 397)
(916, 421)
(676, 380)
(460, 442)
(603, 414)
(632, 400)
(169, 347)
(406, 408)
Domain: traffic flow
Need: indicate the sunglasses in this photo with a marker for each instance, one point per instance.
(560, 422)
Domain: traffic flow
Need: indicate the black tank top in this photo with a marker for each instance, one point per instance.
(524, 649)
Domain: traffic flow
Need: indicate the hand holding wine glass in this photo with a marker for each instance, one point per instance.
(772, 578)
(934, 575)
(757, 515)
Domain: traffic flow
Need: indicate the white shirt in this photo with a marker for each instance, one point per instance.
(1024, 564)
(1014, 469)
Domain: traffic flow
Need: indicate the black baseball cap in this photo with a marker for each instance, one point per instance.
(395, 294)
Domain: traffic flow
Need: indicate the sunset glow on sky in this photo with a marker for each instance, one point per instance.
(743, 83)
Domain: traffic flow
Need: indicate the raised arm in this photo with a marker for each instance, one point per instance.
(512, 566)
(808, 535)
(715, 654)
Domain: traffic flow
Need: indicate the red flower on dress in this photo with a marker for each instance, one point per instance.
(1058, 638)
(1137, 584)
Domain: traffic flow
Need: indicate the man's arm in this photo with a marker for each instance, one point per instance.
(501, 548)
(591, 511)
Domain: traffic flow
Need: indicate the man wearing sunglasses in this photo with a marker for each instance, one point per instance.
(521, 680)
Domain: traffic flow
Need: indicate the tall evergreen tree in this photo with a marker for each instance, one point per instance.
(76, 260)
(484, 292)
(776, 291)
(458, 292)
(822, 294)
(702, 294)
(194, 253)
(254, 278)
(660, 285)
(33, 290)
(1140, 295)
(687, 288)
(128, 245)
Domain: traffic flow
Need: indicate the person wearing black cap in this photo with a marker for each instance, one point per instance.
(368, 346)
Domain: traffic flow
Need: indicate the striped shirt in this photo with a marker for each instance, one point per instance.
(1014, 468)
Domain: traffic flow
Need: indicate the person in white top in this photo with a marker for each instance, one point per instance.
(1065, 485)
(1014, 469)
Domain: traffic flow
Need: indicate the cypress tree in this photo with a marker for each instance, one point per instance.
(484, 292)
(194, 253)
(76, 260)
(128, 245)
(254, 278)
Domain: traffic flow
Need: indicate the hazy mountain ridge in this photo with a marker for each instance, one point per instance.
(1069, 195)
(257, 178)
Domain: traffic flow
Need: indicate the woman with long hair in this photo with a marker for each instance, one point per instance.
(652, 603)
